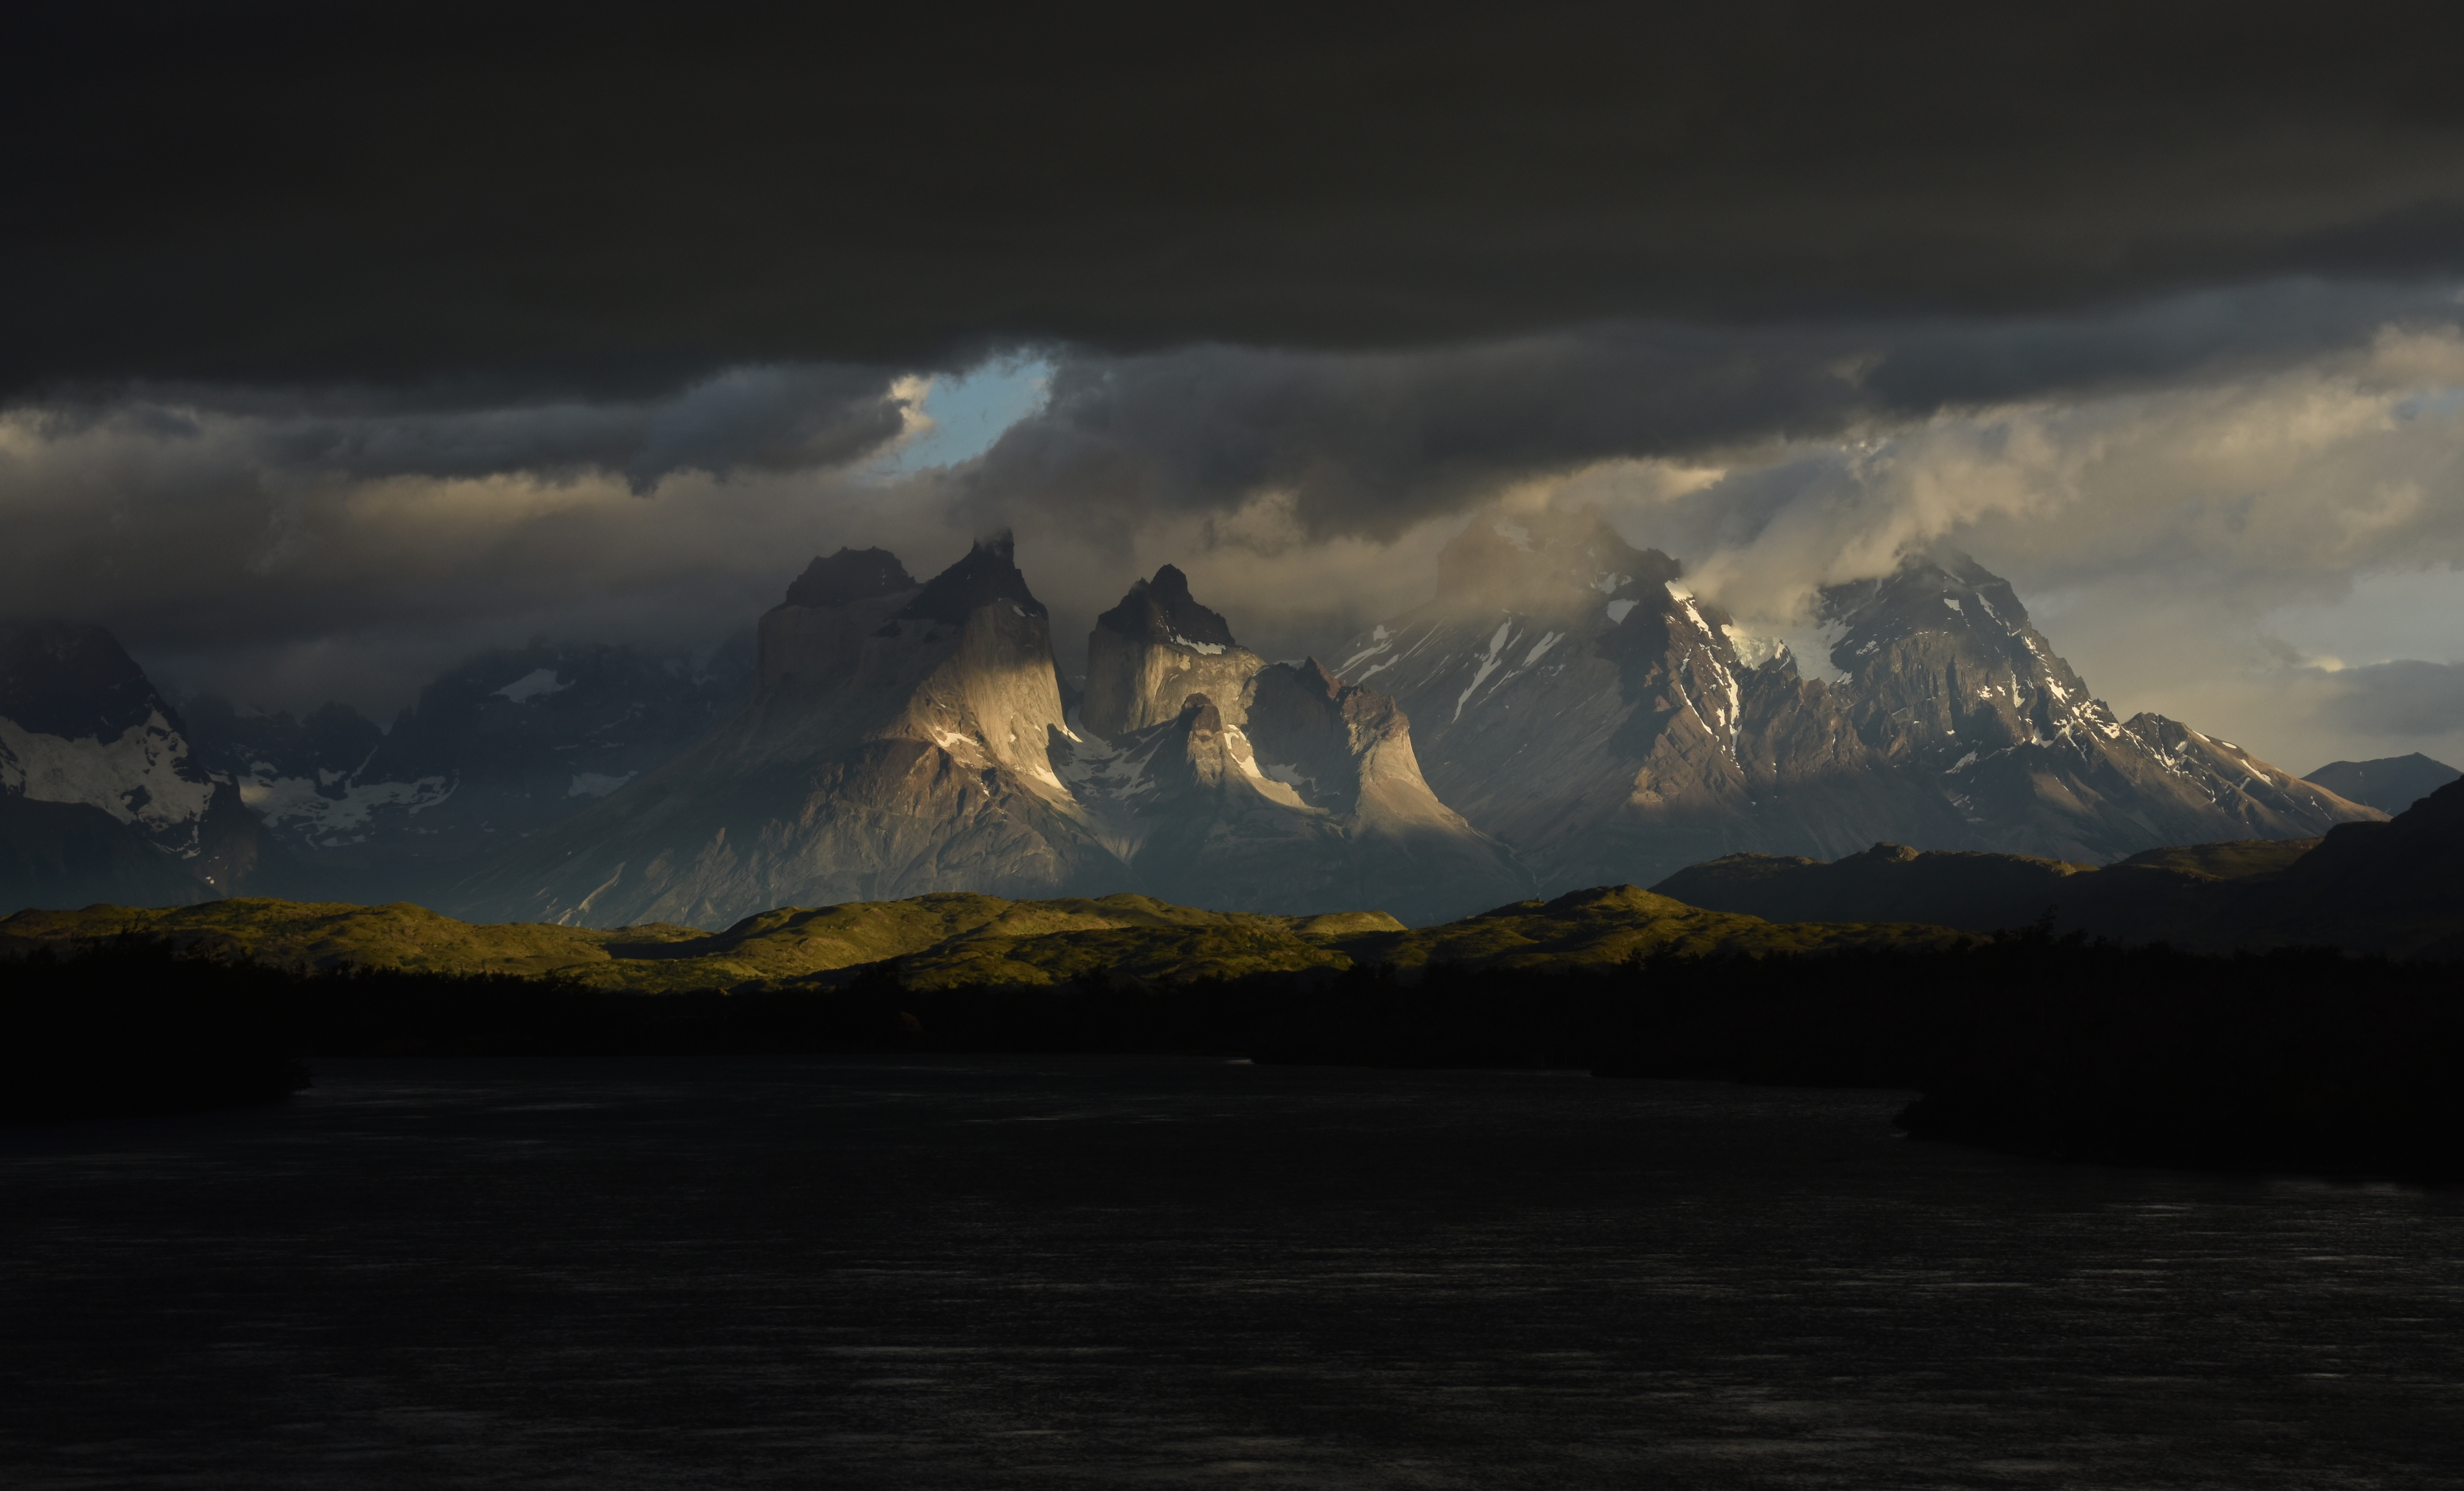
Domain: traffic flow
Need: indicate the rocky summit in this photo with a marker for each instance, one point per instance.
(1950, 684)
(898, 741)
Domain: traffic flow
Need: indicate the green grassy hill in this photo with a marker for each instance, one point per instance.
(948, 940)
(1611, 924)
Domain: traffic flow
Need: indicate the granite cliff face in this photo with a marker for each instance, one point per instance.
(908, 738)
(102, 796)
(1227, 782)
(898, 742)
(1572, 697)
(1157, 648)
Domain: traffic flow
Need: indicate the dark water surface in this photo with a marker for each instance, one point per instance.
(1024, 1272)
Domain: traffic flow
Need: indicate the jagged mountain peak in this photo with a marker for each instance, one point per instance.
(1312, 675)
(850, 576)
(1949, 673)
(1155, 649)
(1162, 610)
(1941, 591)
(1545, 561)
(988, 572)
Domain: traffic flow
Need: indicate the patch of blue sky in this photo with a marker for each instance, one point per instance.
(969, 411)
(2431, 403)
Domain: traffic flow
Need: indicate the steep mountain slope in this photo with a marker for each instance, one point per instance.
(2391, 784)
(100, 795)
(1952, 685)
(1572, 697)
(508, 743)
(898, 742)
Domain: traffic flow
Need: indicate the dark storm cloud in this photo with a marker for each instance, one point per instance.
(625, 199)
(1372, 443)
(746, 419)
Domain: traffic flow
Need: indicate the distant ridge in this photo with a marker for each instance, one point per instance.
(2394, 889)
(2391, 784)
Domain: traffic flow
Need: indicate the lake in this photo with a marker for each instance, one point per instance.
(975, 1272)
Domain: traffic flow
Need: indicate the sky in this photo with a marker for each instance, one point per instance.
(343, 341)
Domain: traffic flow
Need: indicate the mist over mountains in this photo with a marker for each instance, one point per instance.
(1563, 712)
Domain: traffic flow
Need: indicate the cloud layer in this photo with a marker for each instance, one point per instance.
(293, 193)
(2187, 526)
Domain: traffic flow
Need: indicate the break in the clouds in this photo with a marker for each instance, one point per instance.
(771, 418)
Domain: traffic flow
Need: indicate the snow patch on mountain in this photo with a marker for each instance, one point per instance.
(135, 778)
(311, 810)
(1488, 663)
(535, 684)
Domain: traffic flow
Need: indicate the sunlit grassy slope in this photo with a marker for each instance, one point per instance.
(948, 939)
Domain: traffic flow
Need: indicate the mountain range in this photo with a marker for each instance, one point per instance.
(1564, 713)
(906, 737)
(1572, 695)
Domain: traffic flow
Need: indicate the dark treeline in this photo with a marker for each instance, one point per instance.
(2031, 1043)
(126, 1028)
(2295, 1058)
